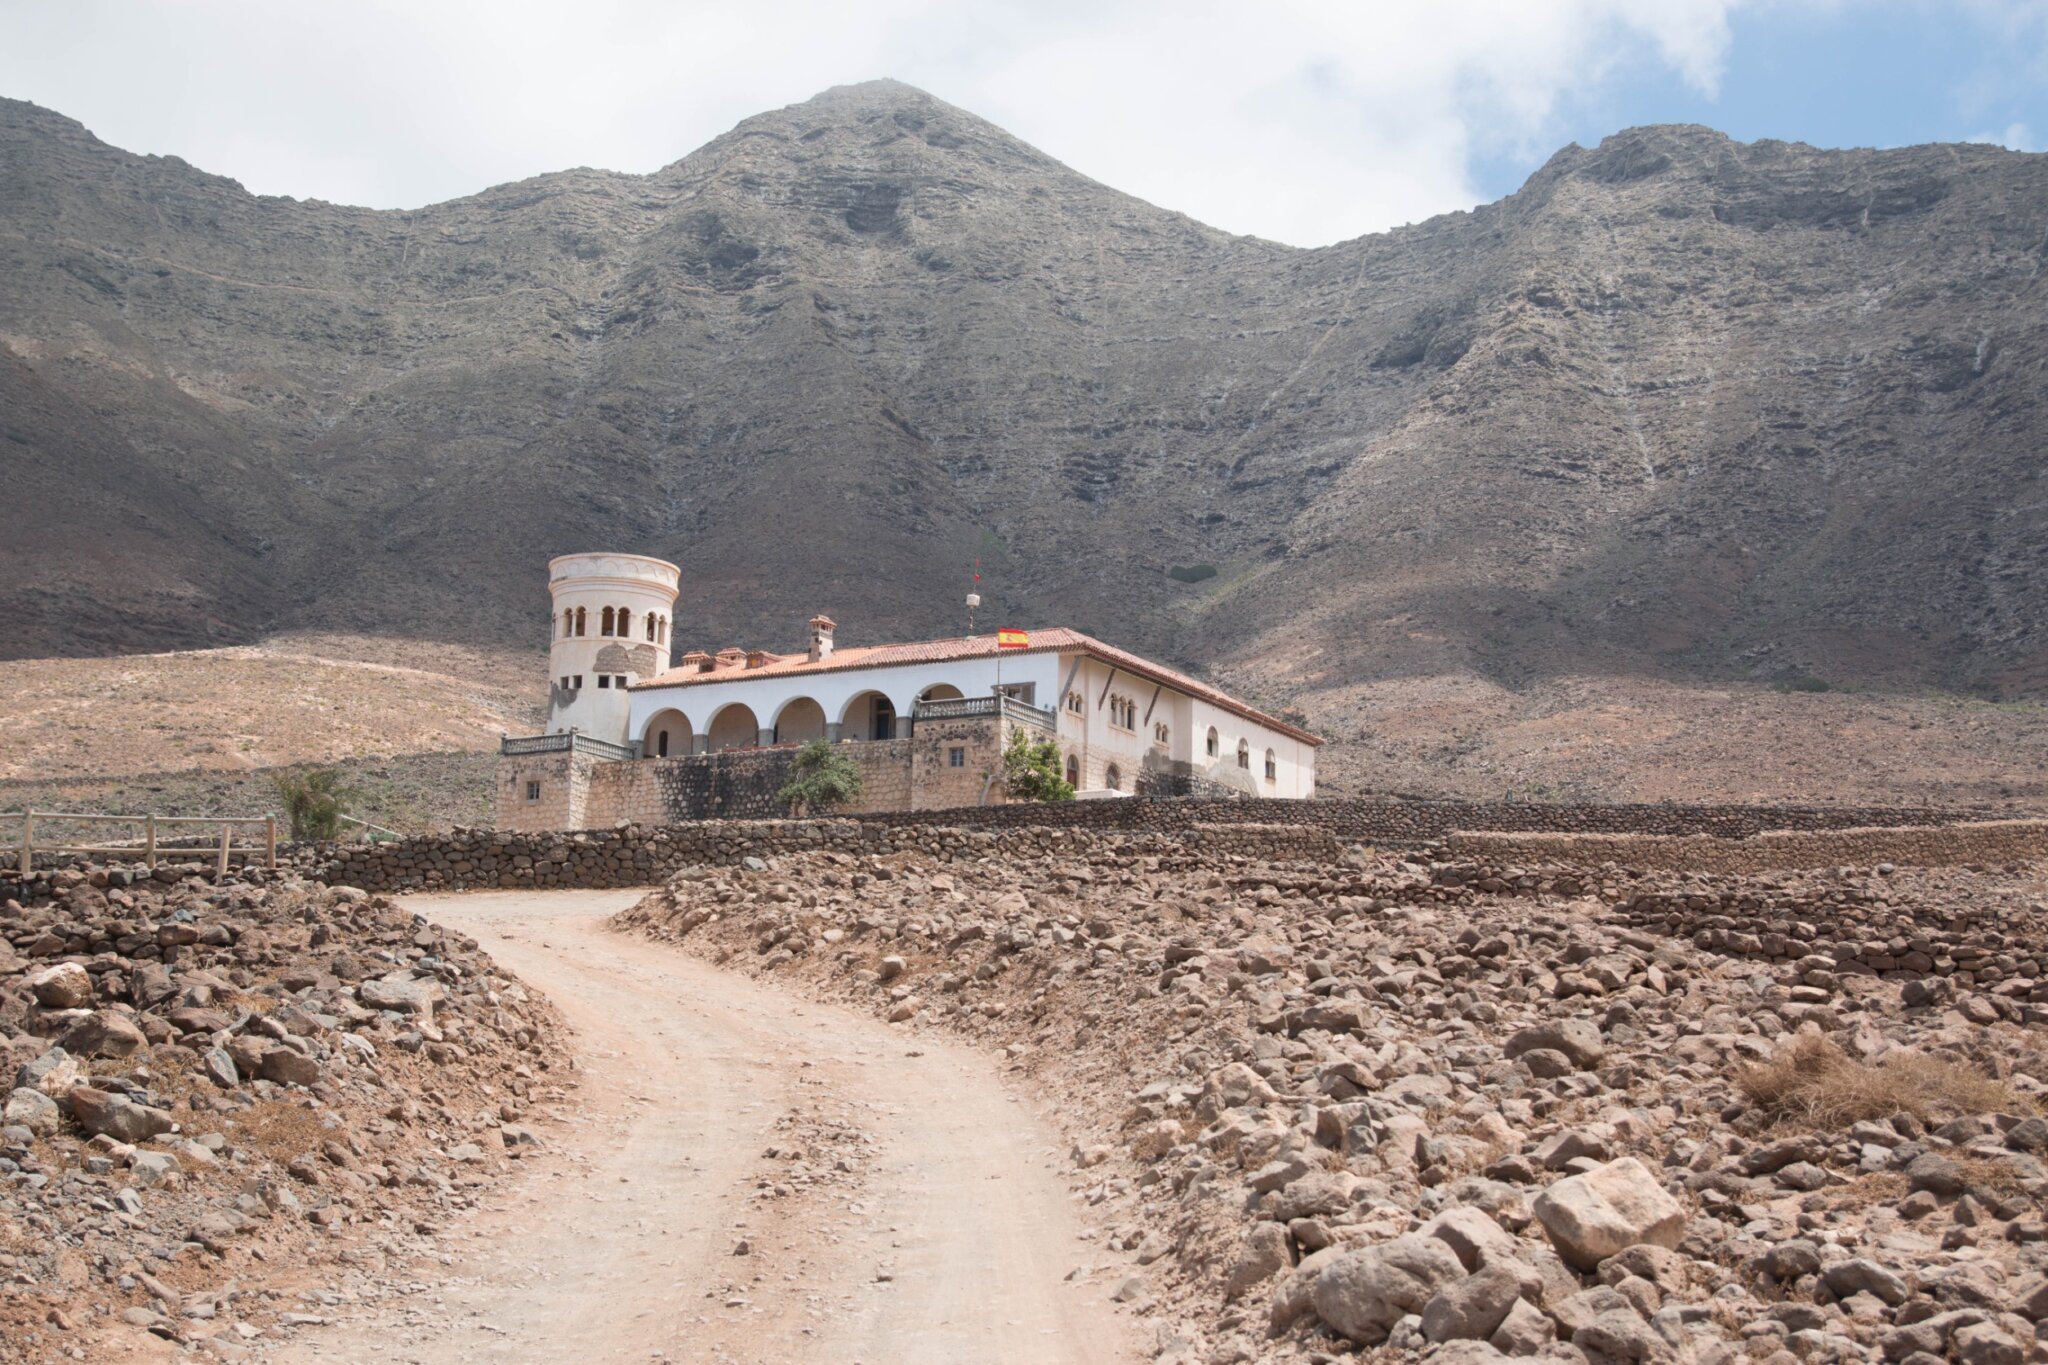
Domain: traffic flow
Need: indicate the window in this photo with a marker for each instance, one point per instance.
(533, 791)
(1244, 754)
(1112, 778)
(1272, 766)
(565, 682)
(1159, 734)
(604, 679)
(568, 623)
(1123, 713)
(618, 680)
(651, 621)
(579, 620)
(1073, 771)
(661, 744)
(1076, 703)
(604, 626)
(576, 682)
(956, 758)
(625, 624)
(1214, 751)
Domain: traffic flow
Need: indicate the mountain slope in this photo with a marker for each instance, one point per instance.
(1679, 407)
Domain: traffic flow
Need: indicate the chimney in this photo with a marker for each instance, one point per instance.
(697, 661)
(821, 638)
(732, 656)
(756, 658)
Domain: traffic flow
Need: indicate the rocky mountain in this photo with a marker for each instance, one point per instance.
(1681, 407)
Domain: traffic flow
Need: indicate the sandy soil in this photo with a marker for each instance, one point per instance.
(947, 1238)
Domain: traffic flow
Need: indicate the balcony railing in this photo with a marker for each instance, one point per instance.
(568, 742)
(967, 708)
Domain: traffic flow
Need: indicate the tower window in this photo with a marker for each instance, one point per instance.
(576, 682)
(625, 623)
(604, 679)
(604, 625)
(579, 620)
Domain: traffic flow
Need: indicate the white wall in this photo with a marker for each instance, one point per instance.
(593, 582)
(1098, 744)
(767, 695)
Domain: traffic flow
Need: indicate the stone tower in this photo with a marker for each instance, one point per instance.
(611, 629)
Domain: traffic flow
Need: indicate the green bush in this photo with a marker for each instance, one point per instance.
(1032, 769)
(1191, 573)
(314, 801)
(820, 777)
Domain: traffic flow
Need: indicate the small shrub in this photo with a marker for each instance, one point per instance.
(314, 801)
(1813, 1081)
(1032, 769)
(1191, 573)
(821, 777)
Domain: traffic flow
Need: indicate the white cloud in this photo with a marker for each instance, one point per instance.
(2017, 137)
(1303, 120)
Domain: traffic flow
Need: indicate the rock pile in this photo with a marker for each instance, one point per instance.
(1456, 1112)
(200, 1078)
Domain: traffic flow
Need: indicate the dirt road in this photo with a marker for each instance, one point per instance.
(921, 1218)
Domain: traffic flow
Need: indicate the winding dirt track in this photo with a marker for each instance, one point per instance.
(949, 1241)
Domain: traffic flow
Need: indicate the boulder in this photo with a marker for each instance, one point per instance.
(53, 1073)
(1363, 1293)
(1592, 1216)
(398, 993)
(117, 1116)
(288, 1066)
(1471, 1309)
(66, 986)
(33, 1110)
(1577, 1039)
(104, 1034)
(1472, 1236)
(1263, 1256)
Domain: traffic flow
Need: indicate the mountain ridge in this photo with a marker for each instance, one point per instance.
(1663, 411)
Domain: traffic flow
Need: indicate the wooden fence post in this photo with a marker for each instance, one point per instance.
(149, 842)
(225, 830)
(270, 842)
(28, 842)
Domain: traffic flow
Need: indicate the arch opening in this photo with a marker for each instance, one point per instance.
(868, 715)
(799, 721)
(734, 727)
(667, 735)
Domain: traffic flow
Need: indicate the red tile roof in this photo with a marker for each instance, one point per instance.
(1055, 640)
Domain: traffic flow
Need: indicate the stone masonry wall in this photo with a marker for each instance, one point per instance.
(642, 856)
(1397, 822)
(1991, 841)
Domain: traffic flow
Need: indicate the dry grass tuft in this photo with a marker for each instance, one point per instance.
(1815, 1082)
(279, 1130)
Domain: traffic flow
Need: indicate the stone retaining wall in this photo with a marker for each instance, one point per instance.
(1380, 820)
(644, 856)
(1991, 841)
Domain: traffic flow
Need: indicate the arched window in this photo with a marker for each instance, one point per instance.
(661, 745)
(1244, 754)
(1113, 778)
(1214, 751)
(625, 624)
(604, 624)
(651, 620)
(1073, 771)
(1272, 766)
(664, 631)
(1075, 702)
(568, 622)
(1159, 734)
(579, 620)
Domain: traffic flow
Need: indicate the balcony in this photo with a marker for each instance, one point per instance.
(968, 708)
(569, 742)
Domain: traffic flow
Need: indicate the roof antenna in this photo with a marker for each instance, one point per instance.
(974, 597)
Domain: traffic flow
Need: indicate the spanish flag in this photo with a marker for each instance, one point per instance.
(1013, 639)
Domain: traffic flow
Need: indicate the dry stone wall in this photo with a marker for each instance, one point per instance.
(1391, 821)
(644, 856)
(1989, 841)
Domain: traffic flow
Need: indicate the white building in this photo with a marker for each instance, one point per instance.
(1122, 724)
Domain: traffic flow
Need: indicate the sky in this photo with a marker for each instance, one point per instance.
(1306, 121)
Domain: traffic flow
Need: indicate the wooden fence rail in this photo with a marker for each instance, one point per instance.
(147, 848)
